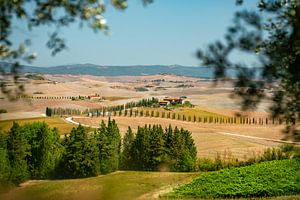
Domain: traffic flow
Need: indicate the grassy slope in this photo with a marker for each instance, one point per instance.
(120, 185)
(272, 178)
(185, 111)
(197, 112)
(64, 128)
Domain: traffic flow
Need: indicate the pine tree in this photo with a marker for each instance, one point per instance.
(126, 159)
(18, 150)
(189, 155)
(182, 151)
(157, 148)
(141, 149)
(4, 162)
(81, 154)
(45, 150)
(115, 142)
(109, 142)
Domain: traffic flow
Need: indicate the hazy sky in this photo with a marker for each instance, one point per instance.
(165, 32)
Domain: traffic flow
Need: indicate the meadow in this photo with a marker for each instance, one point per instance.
(63, 127)
(182, 111)
(118, 185)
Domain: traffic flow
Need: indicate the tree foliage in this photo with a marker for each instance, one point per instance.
(272, 36)
(155, 149)
(51, 13)
(126, 156)
(109, 144)
(18, 149)
(4, 161)
(35, 151)
(45, 151)
(80, 158)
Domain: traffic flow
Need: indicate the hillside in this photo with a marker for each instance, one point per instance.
(136, 70)
(118, 185)
(272, 178)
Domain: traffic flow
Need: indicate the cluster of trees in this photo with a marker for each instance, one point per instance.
(153, 148)
(73, 98)
(29, 151)
(147, 102)
(150, 102)
(144, 103)
(89, 154)
(35, 151)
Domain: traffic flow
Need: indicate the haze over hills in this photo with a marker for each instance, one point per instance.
(135, 70)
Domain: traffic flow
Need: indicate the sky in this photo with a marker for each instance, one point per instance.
(166, 32)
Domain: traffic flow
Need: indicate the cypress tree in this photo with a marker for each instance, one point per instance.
(81, 154)
(109, 143)
(182, 151)
(157, 148)
(4, 162)
(18, 150)
(45, 150)
(141, 149)
(126, 158)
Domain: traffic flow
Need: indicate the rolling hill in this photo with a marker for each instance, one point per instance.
(136, 70)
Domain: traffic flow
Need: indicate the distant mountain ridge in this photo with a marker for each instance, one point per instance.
(135, 70)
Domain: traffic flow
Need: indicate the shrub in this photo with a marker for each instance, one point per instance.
(141, 89)
(3, 110)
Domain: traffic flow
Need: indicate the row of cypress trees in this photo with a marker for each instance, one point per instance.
(35, 151)
(150, 102)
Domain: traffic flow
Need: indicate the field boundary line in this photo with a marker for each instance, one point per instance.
(259, 138)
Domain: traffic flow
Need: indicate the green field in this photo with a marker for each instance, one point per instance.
(63, 127)
(188, 112)
(197, 112)
(119, 185)
(273, 178)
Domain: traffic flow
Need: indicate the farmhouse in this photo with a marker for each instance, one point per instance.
(95, 97)
(170, 100)
(174, 100)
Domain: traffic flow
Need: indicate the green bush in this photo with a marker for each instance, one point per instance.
(271, 178)
(141, 89)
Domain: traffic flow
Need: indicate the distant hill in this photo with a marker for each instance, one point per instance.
(136, 70)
